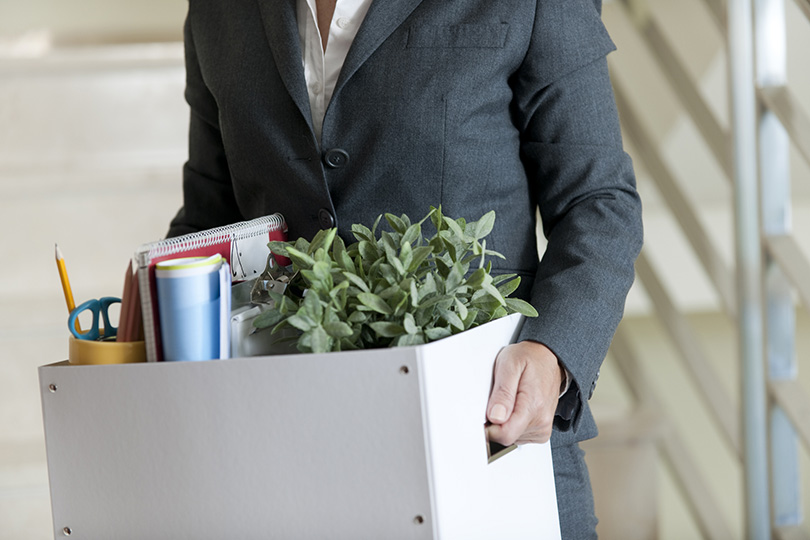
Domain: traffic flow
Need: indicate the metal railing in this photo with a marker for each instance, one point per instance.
(763, 432)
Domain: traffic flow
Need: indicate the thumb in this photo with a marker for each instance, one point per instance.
(504, 390)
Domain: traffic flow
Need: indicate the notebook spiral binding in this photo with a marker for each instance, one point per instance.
(195, 240)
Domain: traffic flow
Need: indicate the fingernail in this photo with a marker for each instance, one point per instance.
(497, 413)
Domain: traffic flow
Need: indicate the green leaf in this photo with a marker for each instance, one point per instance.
(444, 270)
(387, 329)
(361, 232)
(409, 340)
(301, 244)
(312, 306)
(412, 233)
(368, 250)
(374, 227)
(438, 332)
(414, 293)
(357, 281)
(268, 318)
(476, 278)
(300, 259)
(406, 255)
(323, 239)
(358, 317)
(338, 329)
(341, 256)
(320, 342)
(455, 278)
(436, 217)
(419, 255)
(517, 305)
(396, 223)
(374, 302)
(410, 324)
(484, 225)
(301, 322)
(452, 318)
(454, 227)
(278, 248)
(509, 287)
(500, 278)
(493, 292)
(428, 287)
(461, 309)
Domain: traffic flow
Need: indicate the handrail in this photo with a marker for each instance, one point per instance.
(709, 385)
(793, 400)
(681, 82)
(786, 252)
(699, 498)
(779, 100)
(682, 209)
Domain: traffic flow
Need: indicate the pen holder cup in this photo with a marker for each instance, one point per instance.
(84, 352)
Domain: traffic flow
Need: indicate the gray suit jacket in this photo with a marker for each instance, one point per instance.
(476, 105)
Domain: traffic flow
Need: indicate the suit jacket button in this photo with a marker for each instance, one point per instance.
(325, 219)
(336, 158)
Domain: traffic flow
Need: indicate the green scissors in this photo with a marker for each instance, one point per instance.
(96, 307)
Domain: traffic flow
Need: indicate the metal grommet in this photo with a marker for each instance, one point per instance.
(66, 531)
(418, 520)
(52, 389)
(404, 370)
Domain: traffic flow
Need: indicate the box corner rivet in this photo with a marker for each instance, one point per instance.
(52, 388)
(66, 531)
(418, 520)
(404, 370)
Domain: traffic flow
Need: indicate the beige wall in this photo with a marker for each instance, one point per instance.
(87, 21)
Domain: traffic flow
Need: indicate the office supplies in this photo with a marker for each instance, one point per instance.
(63, 276)
(96, 307)
(193, 293)
(243, 245)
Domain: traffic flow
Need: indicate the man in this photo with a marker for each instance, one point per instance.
(334, 112)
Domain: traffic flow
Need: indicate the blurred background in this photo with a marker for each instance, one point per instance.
(93, 130)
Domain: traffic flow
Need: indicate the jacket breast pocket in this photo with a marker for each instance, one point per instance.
(464, 36)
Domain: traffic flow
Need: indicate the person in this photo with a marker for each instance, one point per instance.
(332, 112)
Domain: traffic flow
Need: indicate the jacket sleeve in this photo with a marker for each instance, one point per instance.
(208, 195)
(585, 187)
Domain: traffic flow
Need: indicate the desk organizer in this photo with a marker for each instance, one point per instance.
(377, 444)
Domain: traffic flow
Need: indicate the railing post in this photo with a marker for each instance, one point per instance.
(749, 268)
(780, 318)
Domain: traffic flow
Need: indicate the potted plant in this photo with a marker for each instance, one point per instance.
(391, 288)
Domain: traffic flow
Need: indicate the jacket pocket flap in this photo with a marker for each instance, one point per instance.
(459, 36)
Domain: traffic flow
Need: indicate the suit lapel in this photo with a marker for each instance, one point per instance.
(281, 26)
(383, 17)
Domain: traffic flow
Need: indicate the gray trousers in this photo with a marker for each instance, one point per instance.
(574, 494)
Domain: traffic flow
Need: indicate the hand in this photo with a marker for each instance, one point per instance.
(524, 397)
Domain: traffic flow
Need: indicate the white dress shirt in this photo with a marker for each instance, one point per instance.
(321, 69)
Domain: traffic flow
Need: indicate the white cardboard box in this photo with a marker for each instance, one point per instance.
(377, 444)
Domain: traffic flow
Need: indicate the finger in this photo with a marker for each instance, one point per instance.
(504, 390)
(511, 430)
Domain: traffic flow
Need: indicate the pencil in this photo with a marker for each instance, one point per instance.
(60, 265)
(123, 319)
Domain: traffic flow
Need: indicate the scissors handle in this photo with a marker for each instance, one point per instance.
(96, 307)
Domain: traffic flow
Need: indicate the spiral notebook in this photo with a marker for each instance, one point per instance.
(243, 245)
